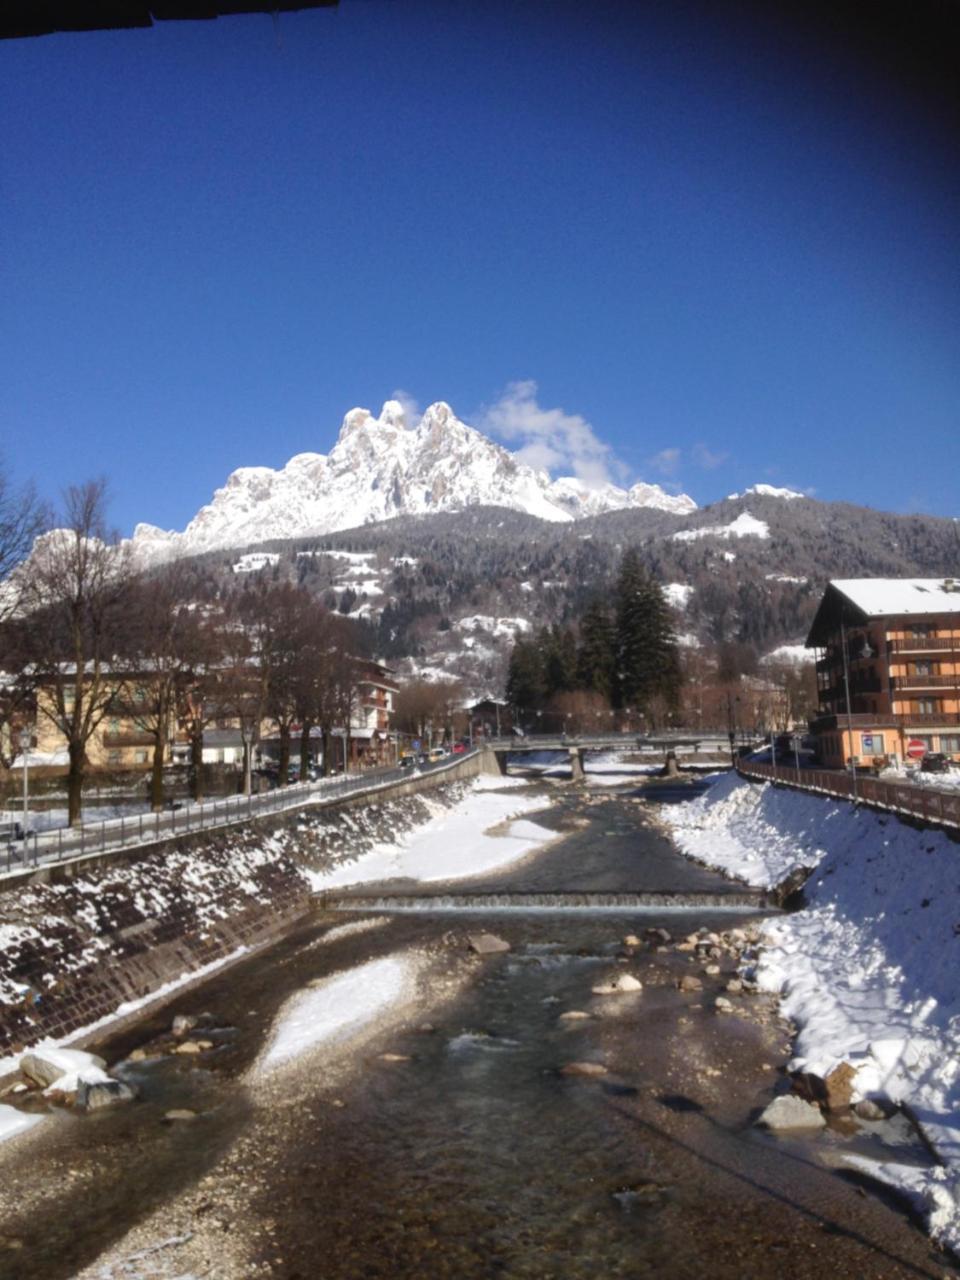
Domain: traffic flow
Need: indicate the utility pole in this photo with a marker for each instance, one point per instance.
(846, 687)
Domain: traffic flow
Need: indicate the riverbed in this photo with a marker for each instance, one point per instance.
(439, 1135)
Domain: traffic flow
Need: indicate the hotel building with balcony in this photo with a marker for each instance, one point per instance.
(888, 670)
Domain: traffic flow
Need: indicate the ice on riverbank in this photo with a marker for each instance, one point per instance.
(13, 1121)
(456, 843)
(340, 1007)
(868, 970)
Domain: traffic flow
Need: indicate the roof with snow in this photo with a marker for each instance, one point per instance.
(855, 600)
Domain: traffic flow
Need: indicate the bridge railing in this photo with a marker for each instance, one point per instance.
(112, 835)
(940, 808)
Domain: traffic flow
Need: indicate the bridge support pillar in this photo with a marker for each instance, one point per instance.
(577, 772)
(493, 761)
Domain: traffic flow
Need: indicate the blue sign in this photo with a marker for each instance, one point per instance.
(415, 744)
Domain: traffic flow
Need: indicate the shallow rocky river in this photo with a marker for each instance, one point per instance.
(444, 1138)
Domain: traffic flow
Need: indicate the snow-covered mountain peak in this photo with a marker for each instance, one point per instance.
(383, 467)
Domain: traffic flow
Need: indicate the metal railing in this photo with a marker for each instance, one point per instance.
(941, 808)
(42, 848)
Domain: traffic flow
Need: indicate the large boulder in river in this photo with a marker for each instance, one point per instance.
(44, 1066)
(790, 1112)
(103, 1093)
(619, 984)
(487, 944)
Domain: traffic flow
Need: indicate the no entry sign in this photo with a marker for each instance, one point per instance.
(916, 747)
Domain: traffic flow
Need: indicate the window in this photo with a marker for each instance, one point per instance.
(113, 757)
(927, 706)
(923, 668)
(140, 757)
(950, 743)
(921, 630)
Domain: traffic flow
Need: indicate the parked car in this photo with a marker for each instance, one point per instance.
(459, 748)
(408, 762)
(437, 753)
(936, 762)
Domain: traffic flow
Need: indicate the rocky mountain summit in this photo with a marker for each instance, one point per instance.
(381, 468)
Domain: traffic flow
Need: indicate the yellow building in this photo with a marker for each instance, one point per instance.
(888, 670)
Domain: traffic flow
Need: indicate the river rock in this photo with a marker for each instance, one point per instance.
(194, 1046)
(790, 1112)
(870, 1109)
(723, 1005)
(658, 935)
(179, 1113)
(735, 986)
(573, 1015)
(487, 944)
(838, 1087)
(583, 1069)
(103, 1093)
(712, 970)
(690, 982)
(619, 984)
(394, 1057)
(631, 940)
(45, 1066)
(183, 1023)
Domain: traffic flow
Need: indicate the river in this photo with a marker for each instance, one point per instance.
(442, 1138)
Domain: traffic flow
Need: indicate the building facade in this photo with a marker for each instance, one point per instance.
(888, 670)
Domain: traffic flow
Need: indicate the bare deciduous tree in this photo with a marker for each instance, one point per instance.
(73, 624)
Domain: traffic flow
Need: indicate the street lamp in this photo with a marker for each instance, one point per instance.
(26, 742)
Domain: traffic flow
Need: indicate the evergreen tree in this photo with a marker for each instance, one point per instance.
(596, 653)
(559, 649)
(648, 664)
(525, 676)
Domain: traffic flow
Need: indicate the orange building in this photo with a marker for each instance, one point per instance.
(888, 670)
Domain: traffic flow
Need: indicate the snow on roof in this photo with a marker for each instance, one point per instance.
(879, 597)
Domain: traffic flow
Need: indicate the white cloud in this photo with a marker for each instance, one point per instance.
(706, 458)
(666, 461)
(411, 407)
(550, 439)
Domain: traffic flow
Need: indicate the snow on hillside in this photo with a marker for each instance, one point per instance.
(868, 969)
(766, 491)
(678, 594)
(745, 526)
(380, 468)
(796, 654)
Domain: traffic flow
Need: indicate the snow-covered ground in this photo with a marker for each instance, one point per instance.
(868, 970)
(339, 1007)
(456, 843)
(610, 769)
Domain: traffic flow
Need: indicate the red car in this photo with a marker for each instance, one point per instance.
(459, 748)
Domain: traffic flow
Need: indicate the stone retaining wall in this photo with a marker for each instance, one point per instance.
(72, 951)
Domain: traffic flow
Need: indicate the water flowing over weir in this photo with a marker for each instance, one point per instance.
(742, 901)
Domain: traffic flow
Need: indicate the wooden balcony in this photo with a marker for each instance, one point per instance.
(919, 681)
(925, 644)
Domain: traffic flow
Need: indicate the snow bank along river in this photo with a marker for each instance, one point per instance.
(869, 969)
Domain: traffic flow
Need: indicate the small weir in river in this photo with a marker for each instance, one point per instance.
(739, 900)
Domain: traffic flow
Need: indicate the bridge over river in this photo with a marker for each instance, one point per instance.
(693, 744)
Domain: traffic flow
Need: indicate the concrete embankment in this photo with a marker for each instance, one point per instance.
(76, 948)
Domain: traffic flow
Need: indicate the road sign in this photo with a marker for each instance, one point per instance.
(415, 744)
(916, 748)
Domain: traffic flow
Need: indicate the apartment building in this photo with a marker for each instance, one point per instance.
(888, 670)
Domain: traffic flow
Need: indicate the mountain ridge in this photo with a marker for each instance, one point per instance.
(381, 468)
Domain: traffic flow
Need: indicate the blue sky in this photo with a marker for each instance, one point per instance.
(723, 245)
